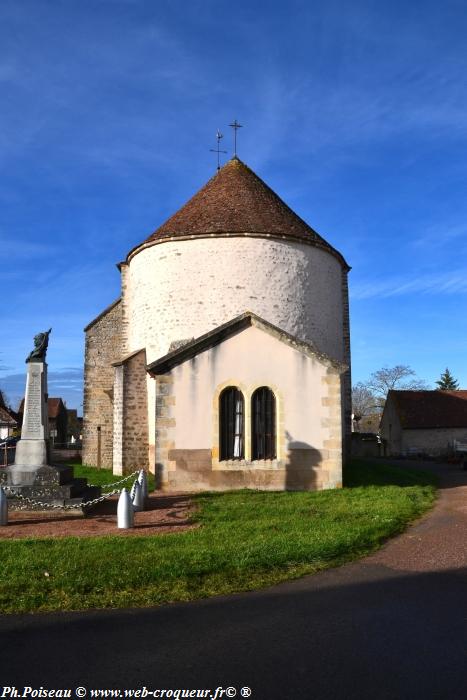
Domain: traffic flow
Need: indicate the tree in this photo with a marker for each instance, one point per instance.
(363, 402)
(387, 378)
(447, 382)
(3, 399)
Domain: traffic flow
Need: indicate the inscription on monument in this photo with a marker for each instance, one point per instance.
(33, 405)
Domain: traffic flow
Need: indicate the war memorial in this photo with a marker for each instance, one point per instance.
(32, 479)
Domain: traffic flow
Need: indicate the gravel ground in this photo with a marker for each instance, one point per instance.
(163, 514)
(439, 540)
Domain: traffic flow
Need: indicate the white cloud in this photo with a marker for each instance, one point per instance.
(454, 282)
(20, 249)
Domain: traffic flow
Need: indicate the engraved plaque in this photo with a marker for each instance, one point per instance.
(33, 408)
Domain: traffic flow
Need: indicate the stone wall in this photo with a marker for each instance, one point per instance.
(182, 289)
(405, 441)
(131, 445)
(390, 429)
(346, 379)
(307, 392)
(434, 441)
(102, 348)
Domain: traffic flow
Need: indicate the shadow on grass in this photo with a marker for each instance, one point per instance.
(365, 473)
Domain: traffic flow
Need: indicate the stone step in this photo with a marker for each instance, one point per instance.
(65, 473)
(55, 474)
(88, 493)
(52, 485)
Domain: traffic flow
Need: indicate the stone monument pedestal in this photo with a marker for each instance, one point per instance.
(52, 485)
(32, 449)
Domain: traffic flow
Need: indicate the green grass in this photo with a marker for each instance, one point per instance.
(245, 540)
(100, 477)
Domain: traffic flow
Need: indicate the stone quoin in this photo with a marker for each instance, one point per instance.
(234, 292)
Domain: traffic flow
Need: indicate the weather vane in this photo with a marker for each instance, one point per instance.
(235, 126)
(217, 150)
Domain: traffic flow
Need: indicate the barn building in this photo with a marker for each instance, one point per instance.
(416, 422)
(225, 362)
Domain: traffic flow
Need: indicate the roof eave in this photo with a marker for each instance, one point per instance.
(238, 234)
(227, 330)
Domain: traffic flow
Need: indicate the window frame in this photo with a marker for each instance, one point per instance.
(231, 427)
(263, 424)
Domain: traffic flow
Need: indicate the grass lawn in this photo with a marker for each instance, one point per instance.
(100, 477)
(246, 540)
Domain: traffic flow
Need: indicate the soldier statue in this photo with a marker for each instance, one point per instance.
(41, 341)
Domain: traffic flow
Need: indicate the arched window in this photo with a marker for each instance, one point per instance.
(231, 423)
(263, 424)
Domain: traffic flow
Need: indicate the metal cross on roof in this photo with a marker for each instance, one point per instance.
(235, 126)
(217, 150)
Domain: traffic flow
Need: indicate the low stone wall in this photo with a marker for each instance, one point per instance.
(365, 446)
(435, 442)
(64, 455)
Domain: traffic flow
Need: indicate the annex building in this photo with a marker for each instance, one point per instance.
(225, 362)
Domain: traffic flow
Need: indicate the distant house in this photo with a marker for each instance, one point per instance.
(75, 426)
(367, 424)
(58, 420)
(425, 422)
(8, 419)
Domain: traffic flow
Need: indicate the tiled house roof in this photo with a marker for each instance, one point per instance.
(7, 418)
(53, 407)
(430, 409)
(234, 202)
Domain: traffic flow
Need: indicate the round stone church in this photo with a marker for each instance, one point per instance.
(225, 362)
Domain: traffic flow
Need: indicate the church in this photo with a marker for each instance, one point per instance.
(225, 362)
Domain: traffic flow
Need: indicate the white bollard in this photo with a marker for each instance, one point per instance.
(3, 507)
(138, 499)
(125, 513)
(143, 482)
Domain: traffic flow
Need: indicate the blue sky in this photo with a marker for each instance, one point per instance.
(354, 113)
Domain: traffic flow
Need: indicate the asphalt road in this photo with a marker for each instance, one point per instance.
(379, 628)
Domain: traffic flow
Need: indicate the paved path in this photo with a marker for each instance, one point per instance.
(393, 625)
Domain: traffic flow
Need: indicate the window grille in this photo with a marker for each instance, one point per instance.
(231, 419)
(263, 424)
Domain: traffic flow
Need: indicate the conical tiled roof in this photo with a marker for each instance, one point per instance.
(236, 202)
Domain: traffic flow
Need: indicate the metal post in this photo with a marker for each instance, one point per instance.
(98, 446)
(125, 513)
(143, 482)
(3, 507)
(138, 498)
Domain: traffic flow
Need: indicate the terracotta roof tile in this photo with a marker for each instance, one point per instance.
(53, 405)
(236, 201)
(6, 417)
(431, 409)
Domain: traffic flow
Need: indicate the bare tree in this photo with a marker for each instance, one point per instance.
(387, 378)
(364, 402)
(4, 402)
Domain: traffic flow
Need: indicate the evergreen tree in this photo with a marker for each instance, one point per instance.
(447, 382)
